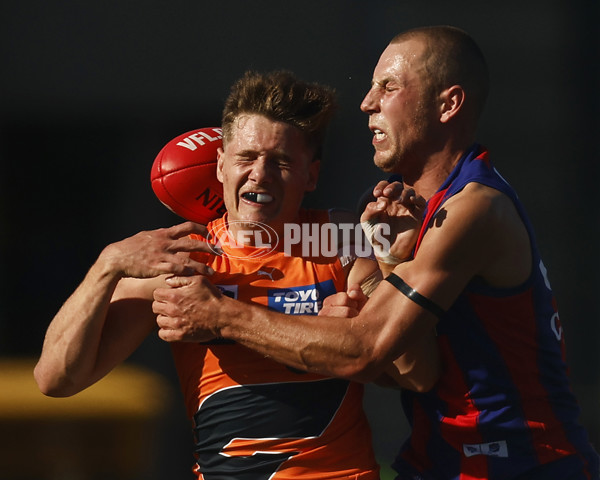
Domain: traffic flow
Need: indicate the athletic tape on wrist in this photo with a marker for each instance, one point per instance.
(415, 296)
(369, 228)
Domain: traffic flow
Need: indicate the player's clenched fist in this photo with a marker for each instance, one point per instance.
(156, 252)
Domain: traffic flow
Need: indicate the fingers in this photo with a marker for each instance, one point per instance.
(341, 304)
(180, 313)
(178, 281)
(355, 293)
(167, 294)
(411, 199)
(184, 242)
(202, 287)
(377, 211)
(387, 194)
(397, 191)
(339, 299)
(181, 264)
(169, 329)
(166, 334)
(152, 253)
(171, 334)
(387, 189)
(393, 195)
(177, 243)
(187, 228)
(191, 244)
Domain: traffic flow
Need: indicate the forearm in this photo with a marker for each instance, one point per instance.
(331, 346)
(70, 348)
(359, 348)
(418, 369)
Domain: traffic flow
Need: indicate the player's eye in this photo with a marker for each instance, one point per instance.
(245, 158)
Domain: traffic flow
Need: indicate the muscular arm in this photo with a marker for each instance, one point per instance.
(89, 335)
(358, 348)
(110, 313)
(479, 234)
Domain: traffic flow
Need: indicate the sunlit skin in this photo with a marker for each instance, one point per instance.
(406, 117)
(266, 168)
(396, 107)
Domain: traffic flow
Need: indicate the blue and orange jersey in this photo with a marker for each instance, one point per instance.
(503, 405)
(258, 419)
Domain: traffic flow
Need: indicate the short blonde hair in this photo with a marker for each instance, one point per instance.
(280, 96)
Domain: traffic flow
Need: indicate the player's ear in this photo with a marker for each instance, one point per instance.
(452, 100)
(313, 175)
(220, 154)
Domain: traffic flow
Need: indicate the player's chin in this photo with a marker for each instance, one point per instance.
(256, 216)
(384, 161)
(384, 166)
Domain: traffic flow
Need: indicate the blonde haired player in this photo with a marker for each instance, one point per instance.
(252, 416)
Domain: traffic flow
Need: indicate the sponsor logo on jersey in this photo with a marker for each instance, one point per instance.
(491, 449)
(271, 273)
(305, 300)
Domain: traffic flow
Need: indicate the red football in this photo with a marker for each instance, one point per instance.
(184, 175)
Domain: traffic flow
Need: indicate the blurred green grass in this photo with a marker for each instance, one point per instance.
(386, 472)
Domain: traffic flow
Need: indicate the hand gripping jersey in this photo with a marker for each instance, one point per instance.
(255, 419)
(503, 405)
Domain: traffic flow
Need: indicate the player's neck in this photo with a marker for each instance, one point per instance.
(435, 171)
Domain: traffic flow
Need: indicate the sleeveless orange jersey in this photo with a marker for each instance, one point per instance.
(255, 419)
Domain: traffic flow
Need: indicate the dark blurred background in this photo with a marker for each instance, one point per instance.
(92, 90)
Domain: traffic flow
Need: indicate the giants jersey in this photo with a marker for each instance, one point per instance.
(503, 405)
(255, 419)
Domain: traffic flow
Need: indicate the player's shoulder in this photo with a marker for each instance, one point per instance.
(477, 200)
(479, 190)
(483, 232)
(476, 216)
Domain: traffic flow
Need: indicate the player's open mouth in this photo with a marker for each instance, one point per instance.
(379, 135)
(257, 197)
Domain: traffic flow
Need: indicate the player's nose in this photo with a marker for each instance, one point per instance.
(262, 170)
(370, 102)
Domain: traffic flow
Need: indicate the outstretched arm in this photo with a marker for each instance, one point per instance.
(359, 348)
(110, 312)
